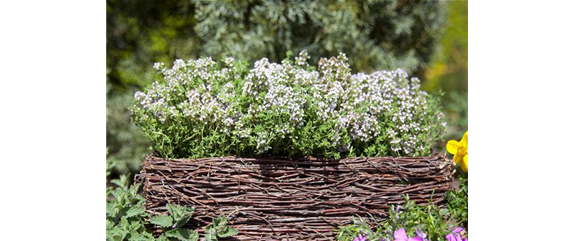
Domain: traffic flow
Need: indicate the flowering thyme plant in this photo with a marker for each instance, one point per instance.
(200, 108)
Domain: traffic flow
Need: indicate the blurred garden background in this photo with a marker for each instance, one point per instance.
(428, 39)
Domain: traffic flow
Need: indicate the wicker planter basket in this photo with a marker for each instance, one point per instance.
(292, 199)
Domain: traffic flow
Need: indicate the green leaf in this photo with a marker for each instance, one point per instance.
(161, 220)
(179, 212)
(162, 238)
(174, 210)
(227, 232)
(109, 225)
(141, 237)
(134, 211)
(111, 210)
(219, 222)
(182, 221)
(124, 224)
(183, 234)
(122, 183)
(134, 225)
(116, 234)
(210, 233)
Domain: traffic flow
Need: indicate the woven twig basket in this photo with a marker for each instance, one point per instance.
(292, 199)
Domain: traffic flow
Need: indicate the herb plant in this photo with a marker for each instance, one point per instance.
(457, 202)
(125, 216)
(172, 224)
(200, 108)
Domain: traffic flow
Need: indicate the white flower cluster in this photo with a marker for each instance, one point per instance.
(369, 105)
(276, 90)
(188, 92)
(273, 101)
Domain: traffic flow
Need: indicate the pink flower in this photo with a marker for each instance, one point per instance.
(401, 235)
(360, 238)
(421, 234)
(455, 235)
(452, 237)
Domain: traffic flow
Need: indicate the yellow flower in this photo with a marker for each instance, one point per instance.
(457, 148)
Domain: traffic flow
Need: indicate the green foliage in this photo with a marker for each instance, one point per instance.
(200, 108)
(162, 221)
(142, 32)
(219, 229)
(456, 110)
(448, 70)
(457, 202)
(182, 234)
(127, 220)
(359, 226)
(126, 142)
(172, 224)
(376, 34)
(125, 216)
(435, 222)
(180, 214)
(109, 165)
(430, 219)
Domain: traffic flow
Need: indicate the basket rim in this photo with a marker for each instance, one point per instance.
(435, 155)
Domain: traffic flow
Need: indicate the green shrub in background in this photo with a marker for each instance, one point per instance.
(375, 34)
(448, 70)
(198, 108)
(126, 142)
(142, 32)
(138, 34)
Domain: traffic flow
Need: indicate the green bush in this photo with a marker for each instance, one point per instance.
(125, 215)
(200, 108)
(448, 70)
(375, 34)
(126, 142)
